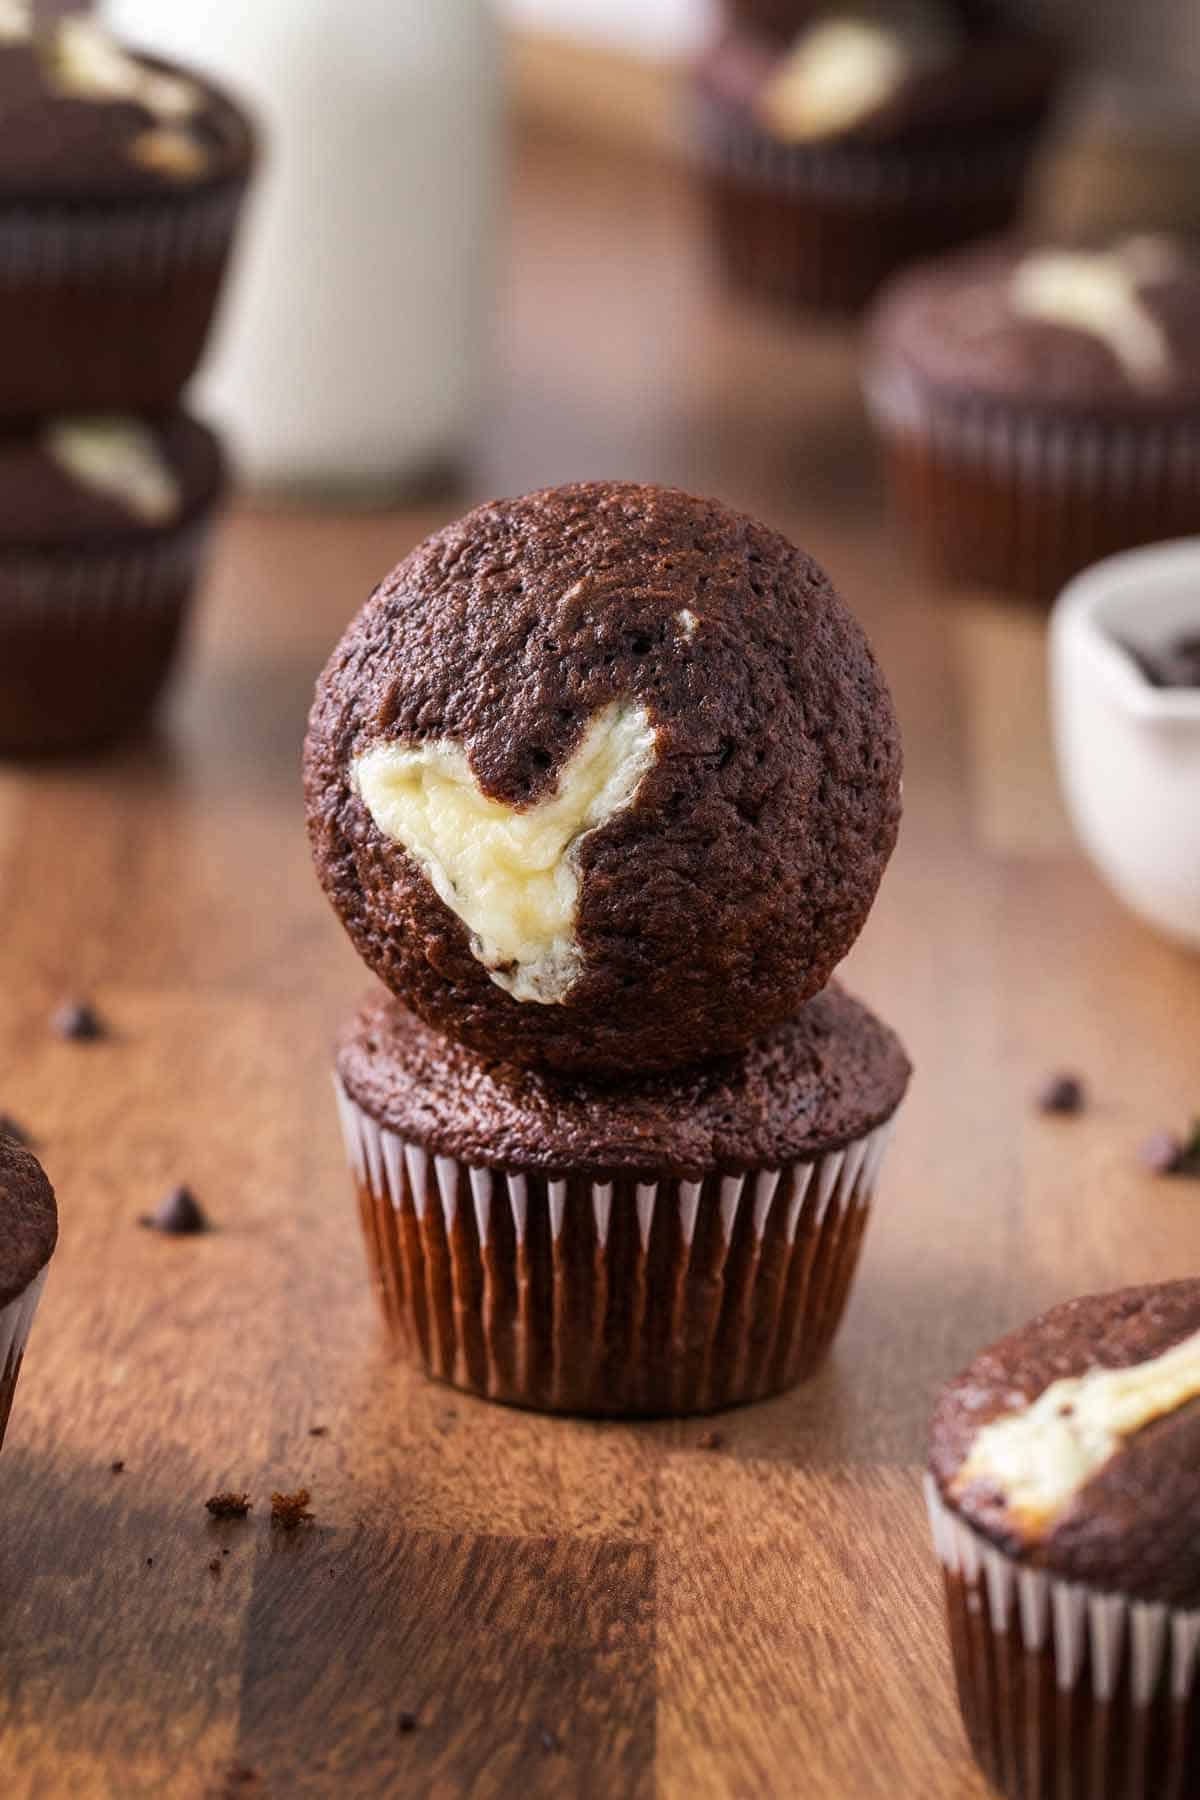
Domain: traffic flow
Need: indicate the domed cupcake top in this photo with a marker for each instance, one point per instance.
(1088, 328)
(87, 120)
(1075, 1442)
(28, 1220)
(605, 777)
(75, 483)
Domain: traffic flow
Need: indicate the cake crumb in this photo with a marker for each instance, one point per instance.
(318, 1431)
(550, 1739)
(214, 1567)
(406, 1722)
(78, 1022)
(118, 1467)
(178, 1214)
(711, 1440)
(1062, 1093)
(228, 1505)
(290, 1510)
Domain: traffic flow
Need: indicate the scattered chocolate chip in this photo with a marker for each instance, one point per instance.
(149, 1562)
(118, 1467)
(1061, 1093)
(407, 1722)
(550, 1740)
(228, 1506)
(13, 1133)
(179, 1214)
(290, 1510)
(318, 1431)
(711, 1440)
(1161, 1153)
(78, 1022)
(214, 1567)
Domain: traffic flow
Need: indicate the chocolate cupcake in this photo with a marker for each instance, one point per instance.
(102, 534)
(1065, 1499)
(603, 779)
(665, 1245)
(1040, 408)
(878, 136)
(120, 186)
(28, 1234)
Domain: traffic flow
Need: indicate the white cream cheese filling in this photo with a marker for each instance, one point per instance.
(510, 874)
(120, 458)
(1040, 1457)
(86, 62)
(1097, 292)
(839, 72)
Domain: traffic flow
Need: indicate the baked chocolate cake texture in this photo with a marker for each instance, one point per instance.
(28, 1235)
(602, 782)
(1065, 1497)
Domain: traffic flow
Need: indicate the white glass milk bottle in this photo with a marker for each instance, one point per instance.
(353, 343)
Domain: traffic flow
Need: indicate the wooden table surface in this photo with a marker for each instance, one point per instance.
(566, 1608)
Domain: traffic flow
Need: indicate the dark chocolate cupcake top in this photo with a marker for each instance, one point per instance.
(819, 1083)
(1115, 329)
(1074, 1444)
(604, 778)
(87, 121)
(899, 75)
(28, 1220)
(85, 483)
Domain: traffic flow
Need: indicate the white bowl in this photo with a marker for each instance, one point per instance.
(1128, 752)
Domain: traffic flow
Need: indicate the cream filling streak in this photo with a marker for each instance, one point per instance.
(90, 65)
(120, 458)
(841, 71)
(1097, 292)
(1040, 1458)
(510, 874)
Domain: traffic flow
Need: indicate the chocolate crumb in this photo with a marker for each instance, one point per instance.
(407, 1722)
(229, 1505)
(214, 1567)
(318, 1431)
(290, 1510)
(13, 1133)
(711, 1440)
(149, 1562)
(118, 1467)
(1166, 1153)
(550, 1739)
(179, 1214)
(79, 1022)
(1061, 1093)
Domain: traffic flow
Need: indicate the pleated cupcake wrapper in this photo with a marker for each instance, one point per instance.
(97, 583)
(143, 240)
(729, 141)
(1113, 1660)
(1063, 492)
(16, 1320)
(625, 1296)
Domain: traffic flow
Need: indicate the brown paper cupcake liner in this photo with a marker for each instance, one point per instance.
(825, 225)
(16, 1321)
(1015, 500)
(87, 638)
(1067, 1692)
(619, 1296)
(108, 309)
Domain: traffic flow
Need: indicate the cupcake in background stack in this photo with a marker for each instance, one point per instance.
(838, 143)
(602, 783)
(120, 186)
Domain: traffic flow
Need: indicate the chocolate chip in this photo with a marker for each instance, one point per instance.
(179, 1214)
(1061, 1093)
(78, 1021)
(118, 1467)
(318, 1431)
(13, 1133)
(1161, 1153)
(214, 1567)
(407, 1722)
(711, 1440)
(228, 1505)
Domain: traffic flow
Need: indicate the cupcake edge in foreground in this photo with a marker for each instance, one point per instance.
(605, 777)
(664, 1245)
(1065, 1505)
(28, 1235)
(1039, 406)
(101, 546)
(113, 247)
(863, 146)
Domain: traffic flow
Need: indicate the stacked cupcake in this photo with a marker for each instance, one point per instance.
(602, 783)
(119, 191)
(840, 142)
